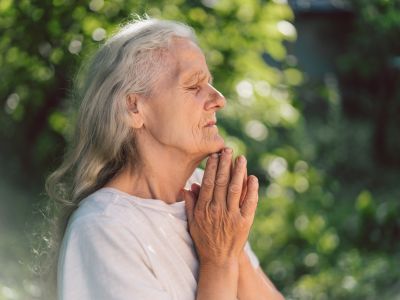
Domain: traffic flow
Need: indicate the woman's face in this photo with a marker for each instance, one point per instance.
(181, 112)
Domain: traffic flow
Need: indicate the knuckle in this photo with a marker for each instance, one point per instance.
(235, 189)
(208, 182)
(254, 192)
(243, 225)
(253, 200)
(215, 209)
(212, 165)
(222, 180)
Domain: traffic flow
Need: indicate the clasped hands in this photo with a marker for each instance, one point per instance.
(221, 211)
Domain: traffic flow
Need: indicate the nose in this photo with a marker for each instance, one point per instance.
(215, 100)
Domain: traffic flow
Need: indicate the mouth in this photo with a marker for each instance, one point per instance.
(211, 123)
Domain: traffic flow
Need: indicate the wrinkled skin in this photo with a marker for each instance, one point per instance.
(218, 224)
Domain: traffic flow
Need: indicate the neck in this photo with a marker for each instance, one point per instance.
(160, 174)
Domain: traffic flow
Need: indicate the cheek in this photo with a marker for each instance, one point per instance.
(195, 128)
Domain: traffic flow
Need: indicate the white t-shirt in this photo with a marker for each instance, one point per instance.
(119, 247)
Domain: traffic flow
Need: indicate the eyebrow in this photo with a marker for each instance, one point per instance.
(199, 76)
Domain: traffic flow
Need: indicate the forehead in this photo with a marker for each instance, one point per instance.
(188, 58)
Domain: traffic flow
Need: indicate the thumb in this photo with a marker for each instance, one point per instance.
(195, 188)
(189, 204)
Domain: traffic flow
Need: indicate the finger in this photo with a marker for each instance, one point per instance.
(207, 183)
(244, 189)
(223, 178)
(250, 201)
(195, 188)
(188, 197)
(232, 166)
(236, 184)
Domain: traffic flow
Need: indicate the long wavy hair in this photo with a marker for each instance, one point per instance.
(103, 142)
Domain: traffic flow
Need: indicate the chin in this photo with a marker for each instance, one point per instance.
(218, 145)
(212, 146)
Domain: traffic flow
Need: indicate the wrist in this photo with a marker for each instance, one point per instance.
(218, 279)
(229, 263)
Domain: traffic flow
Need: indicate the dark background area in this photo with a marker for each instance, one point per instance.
(313, 102)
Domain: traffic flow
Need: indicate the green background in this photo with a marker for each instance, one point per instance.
(326, 150)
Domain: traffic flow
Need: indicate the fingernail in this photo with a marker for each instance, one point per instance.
(214, 155)
(254, 179)
(241, 159)
(228, 150)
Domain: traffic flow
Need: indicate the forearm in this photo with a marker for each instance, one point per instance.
(218, 282)
(253, 284)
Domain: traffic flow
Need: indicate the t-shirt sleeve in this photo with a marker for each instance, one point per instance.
(252, 256)
(196, 177)
(103, 260)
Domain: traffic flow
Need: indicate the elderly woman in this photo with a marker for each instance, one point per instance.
(146, 121)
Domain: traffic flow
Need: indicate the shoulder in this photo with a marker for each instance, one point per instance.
(103, 256)
(101, 211)
(101, 227)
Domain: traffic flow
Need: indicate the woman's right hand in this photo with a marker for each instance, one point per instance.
(218, 223)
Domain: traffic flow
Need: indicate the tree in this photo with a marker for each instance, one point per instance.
(310, 228)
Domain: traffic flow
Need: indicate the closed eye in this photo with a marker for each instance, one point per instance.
(195, 88)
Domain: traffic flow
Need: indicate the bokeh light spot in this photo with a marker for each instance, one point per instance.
(311, 259)
(244, 89)
(75, 47)
(12, 103)
(96, 5)
(98, 34)
(277, 167)
(256, 130)
(287, 29)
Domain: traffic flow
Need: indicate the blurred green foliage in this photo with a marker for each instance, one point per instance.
(327, 224)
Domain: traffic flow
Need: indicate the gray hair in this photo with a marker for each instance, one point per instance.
(129, 62)
(103, 141)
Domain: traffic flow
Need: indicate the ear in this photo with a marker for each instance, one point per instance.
(134, 107)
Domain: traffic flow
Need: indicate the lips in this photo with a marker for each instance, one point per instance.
(211, 123)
